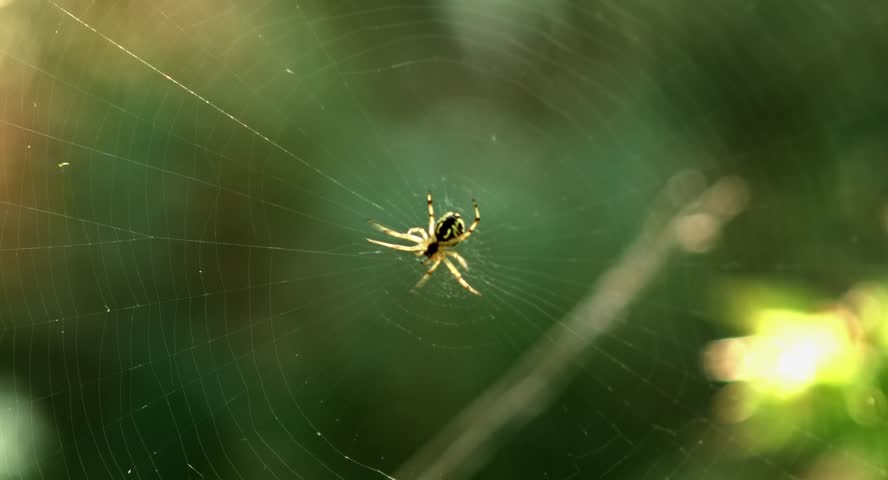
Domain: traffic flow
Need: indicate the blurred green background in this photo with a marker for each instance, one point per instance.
(187, 291)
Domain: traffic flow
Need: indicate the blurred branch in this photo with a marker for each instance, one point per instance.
(526, 390)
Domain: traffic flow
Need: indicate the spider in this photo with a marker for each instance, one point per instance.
(436, 244)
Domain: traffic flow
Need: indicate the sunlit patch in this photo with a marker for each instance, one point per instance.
(799, 365)
(5, 3)
(789, 352)
(796, 365)
(22, 433)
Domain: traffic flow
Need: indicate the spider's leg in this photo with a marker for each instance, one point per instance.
(403, 248)
(472, 227)
(422, 232)
(431, 216)
(425, 278)
(462, 281)
(395, 233)
(459, 258)
(477, 218)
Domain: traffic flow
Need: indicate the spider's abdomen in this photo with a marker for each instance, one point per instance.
(449, 227)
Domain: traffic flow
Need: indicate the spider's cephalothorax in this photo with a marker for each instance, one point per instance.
(436, 243)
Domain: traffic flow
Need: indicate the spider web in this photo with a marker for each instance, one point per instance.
(184, 195)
